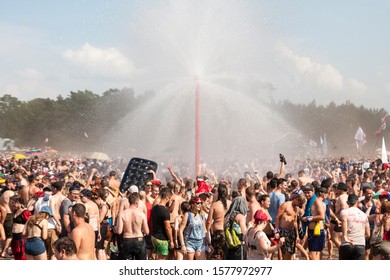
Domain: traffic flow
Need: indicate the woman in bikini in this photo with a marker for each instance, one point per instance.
(21, 216)
(36, 232)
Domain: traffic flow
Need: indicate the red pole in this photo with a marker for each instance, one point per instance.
(197, 126)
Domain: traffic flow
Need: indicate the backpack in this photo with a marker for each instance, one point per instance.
(233, 233)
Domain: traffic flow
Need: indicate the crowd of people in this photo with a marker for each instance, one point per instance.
(74, 208)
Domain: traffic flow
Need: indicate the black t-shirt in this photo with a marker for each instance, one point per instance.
(158, 215)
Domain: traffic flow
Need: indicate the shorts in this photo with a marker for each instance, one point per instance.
(18, 246)
(218, 243)
(352, 252)
(35, 246)
(8, 223)
(161, 247)
(103, 235)
(52, 237)
(134, 248)
(381, 248)
(336, 227)
(194, 245)
(290, 236)
(316, 243)
(96, 238)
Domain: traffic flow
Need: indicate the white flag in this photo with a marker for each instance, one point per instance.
(360, 136)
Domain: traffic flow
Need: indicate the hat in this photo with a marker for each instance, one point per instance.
(342, 186)
(307, 188)
(133, 189)
(48, 188)
(156, 182)
(86, 193)
(297, 192)
(46, 209)
(196, 199)
(260, 216)
(352, 199)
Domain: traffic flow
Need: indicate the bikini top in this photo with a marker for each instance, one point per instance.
(22, 218)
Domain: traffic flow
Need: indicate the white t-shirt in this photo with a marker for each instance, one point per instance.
(356, 225)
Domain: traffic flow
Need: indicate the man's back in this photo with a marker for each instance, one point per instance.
(217, 214)
(134, 220)
(84, 237)
(341, 203)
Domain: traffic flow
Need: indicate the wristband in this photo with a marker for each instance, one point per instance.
(309, 218)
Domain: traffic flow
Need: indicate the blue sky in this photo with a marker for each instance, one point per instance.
(321, 50)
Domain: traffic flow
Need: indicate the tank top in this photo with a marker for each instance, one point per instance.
(194, 229)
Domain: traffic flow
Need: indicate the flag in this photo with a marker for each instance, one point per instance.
(85, 134)
(360, 137)
(384, 151)
(324, 146)
(382, 126)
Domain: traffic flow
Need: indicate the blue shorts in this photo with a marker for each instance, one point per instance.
(194, 245)
(35, 246)
(316, 243)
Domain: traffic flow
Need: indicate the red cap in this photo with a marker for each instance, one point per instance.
(260, 216)
(156, 182)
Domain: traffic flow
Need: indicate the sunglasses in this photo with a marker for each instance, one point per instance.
(149, 185)
(198, 203)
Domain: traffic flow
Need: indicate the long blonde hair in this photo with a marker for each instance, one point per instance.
(36, 219)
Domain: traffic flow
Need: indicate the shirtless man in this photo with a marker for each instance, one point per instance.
(153, 194)
(8, 219)
(114, 183)
(314, 212)
(92, 211)
(341, 204)
(133, 224)
(303, 179)
(175, 202)
(286, 225)
(253, 205)
(83, 234)
(29, 190)
(56, 200)
(215, 222)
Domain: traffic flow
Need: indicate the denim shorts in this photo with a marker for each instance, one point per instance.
(35, 246)
(194, 245)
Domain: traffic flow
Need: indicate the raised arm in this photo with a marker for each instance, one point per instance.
(174, 176)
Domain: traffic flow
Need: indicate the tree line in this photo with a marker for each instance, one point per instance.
(338, 123)
(79, 120)
(83, 118)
